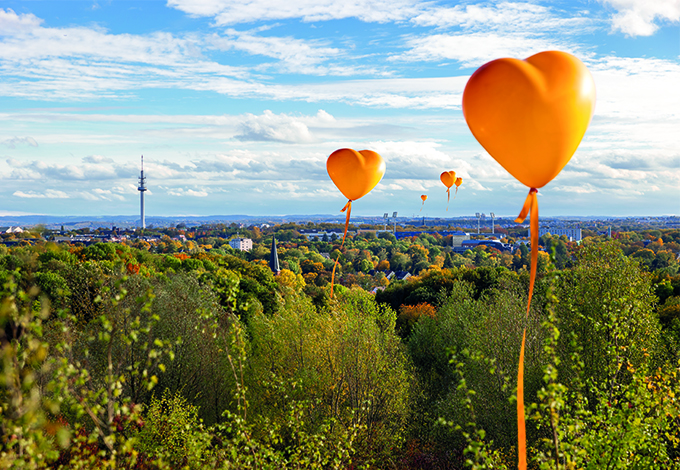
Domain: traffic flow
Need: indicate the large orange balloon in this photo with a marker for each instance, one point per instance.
(531, 114)
(448, 178)
(355, 173)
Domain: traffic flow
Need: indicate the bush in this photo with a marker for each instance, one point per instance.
(171, 430)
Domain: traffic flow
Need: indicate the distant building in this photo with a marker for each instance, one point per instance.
(471, 244)
(573, 234)
(11, 230)
(242, 244)
(457, 237)
(313, 234)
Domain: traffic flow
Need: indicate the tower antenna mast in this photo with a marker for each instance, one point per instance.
(142, 190)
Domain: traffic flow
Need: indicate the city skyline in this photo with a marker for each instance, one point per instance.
(236, 107)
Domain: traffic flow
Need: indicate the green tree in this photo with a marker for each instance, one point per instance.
(346, 359)
(607, 302)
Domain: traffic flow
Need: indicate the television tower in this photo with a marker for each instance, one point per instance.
(142, 190)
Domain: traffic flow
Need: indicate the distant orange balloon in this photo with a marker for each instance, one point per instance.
(423, 197)
(459, 181)
(448, 178)
(355, 173)
(530, 115)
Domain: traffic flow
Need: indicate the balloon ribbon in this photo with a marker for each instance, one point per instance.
(348, 208)
(530, 204)
(456, 194)
(448, 197)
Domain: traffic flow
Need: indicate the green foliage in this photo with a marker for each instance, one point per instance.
(434, 286)
(100, 252)
(54, 287)
(607, 302)
(24, 353)
(348, 362)
(201, 364)
(172, 262)
(172, 431)
(271, 373)
(192, 264)
(491, 327)
(630, 422)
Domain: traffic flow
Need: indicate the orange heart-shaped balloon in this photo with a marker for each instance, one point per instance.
(355, 173)
(448, 178)
(459, 181)
(531, 114)
(424, 197)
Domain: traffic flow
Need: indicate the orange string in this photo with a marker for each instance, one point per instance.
(521, 428)
(348, 208)
(448, 197)
(530, 205)
(456, 194)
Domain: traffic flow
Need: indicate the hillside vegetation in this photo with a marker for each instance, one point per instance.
(190, 355)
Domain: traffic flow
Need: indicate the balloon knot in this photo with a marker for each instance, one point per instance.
(533, 190)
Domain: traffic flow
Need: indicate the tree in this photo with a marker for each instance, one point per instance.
(400, 262)
(383, 265)
(608, 303)
(346, 362)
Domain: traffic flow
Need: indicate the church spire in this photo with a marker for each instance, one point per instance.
(274, 258)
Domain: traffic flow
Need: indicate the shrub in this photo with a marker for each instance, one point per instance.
(172, 430)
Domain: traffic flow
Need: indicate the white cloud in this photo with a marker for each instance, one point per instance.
(40, 170)
(275, 128)
(40, 62)
(641, 17)
(187, 192)
(12, 143)
(506, 16)
(48, 194)
(107, 195)
(230, 12)
(475, 49)
(97, 159)
(411, 159)
(10, 22)
(88, 196)
(637, 104)
(294, 55)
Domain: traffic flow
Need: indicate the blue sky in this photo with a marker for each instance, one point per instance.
(236, 105)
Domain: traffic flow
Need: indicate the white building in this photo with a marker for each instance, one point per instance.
(317, 235)
(573, 234)
(11, 230)
(242, 244)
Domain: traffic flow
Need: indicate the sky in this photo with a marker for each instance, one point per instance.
(236, 105)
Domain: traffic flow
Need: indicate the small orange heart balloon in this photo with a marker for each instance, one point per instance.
(423, 197)
(531, 114)
(448, 178)
(355, 173)
(459, 181)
